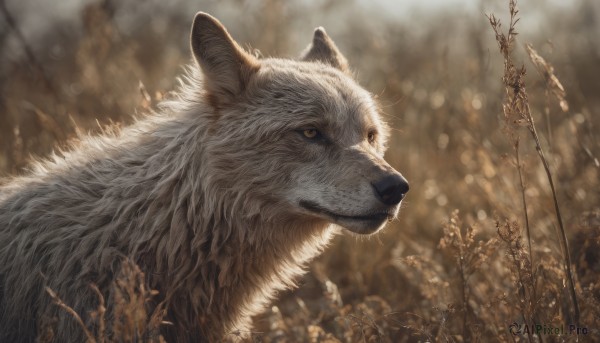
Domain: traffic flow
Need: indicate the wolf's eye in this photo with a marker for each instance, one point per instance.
(310, 133)
(313, 135)
(371, 136)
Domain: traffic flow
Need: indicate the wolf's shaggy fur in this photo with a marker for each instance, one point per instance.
(221, 197)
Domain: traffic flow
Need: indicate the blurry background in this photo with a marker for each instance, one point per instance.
(76, 65)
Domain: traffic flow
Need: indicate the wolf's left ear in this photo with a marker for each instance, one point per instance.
(226, 66)
(323, 49)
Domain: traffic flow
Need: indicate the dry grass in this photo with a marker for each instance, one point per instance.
(125, 320)
(518, 113)
(523, 246)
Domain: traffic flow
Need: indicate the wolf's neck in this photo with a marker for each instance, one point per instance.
(229, 273)
(246, 253)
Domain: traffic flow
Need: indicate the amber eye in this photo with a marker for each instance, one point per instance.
(371, 137)
(310, 133)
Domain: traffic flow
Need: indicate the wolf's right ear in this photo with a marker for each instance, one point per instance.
(226, 66)
(323, 49)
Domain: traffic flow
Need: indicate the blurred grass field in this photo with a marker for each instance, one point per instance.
(437, 73)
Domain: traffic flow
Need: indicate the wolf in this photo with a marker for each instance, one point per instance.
(221, 196)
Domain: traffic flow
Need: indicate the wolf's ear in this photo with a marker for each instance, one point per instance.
(226, 66)
(323, 49)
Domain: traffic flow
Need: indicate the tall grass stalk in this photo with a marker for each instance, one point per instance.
(518, 113)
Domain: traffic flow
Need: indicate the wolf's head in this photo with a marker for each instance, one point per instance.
(301, 135)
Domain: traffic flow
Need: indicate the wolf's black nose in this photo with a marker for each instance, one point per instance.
(391, 188)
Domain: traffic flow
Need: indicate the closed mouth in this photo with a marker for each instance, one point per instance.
(370, 217)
